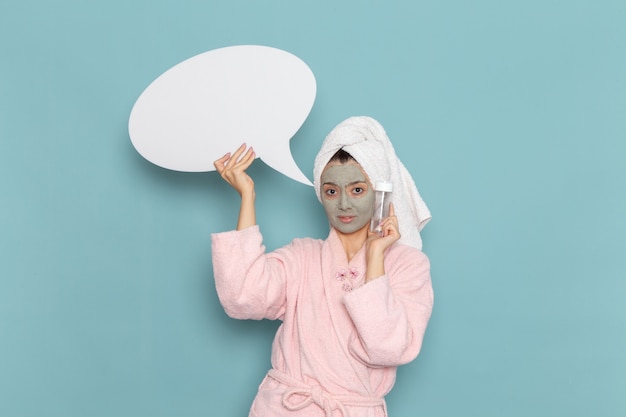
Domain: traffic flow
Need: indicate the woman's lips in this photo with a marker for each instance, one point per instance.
(345, 219)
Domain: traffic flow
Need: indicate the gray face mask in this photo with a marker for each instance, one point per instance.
(347, 197)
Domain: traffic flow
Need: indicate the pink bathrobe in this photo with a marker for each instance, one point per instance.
(340, 341)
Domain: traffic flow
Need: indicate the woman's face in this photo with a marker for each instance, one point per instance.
(347, 196)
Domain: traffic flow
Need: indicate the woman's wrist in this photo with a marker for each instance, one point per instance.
(247, 211)
(375, 264)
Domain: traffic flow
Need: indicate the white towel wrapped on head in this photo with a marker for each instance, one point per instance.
(365, 139)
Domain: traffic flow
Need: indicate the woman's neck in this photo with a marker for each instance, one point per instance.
(353, 242)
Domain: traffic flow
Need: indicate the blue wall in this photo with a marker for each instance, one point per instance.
(511, 116)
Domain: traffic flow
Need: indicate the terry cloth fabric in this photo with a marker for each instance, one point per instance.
(338, 346)
(366, 140)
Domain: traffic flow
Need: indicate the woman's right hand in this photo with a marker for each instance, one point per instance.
(233, 169)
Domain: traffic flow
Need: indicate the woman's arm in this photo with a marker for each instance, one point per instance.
(391, 313)
(233, 169)
(249, 283)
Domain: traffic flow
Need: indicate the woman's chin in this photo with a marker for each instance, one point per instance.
(351, 227)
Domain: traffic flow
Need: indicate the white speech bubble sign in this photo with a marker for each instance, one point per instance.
(211, 103)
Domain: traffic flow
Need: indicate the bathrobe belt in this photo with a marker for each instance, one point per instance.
(315, 394)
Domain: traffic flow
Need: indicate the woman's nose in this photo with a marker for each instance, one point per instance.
(344, 202)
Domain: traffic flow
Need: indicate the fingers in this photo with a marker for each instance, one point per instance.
(247, 159)
(220, 164)
(237, 153)
(389, 233)
(232, 168)
(235, 160)
(389, 225)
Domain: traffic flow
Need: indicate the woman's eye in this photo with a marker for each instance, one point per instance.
(358, 190)
(330, 191)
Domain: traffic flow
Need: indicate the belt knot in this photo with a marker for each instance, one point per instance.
(314, 394)
(300, 395)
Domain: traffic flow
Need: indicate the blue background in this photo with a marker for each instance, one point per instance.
(509, 114)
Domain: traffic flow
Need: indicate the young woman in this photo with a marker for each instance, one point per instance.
(354, 306)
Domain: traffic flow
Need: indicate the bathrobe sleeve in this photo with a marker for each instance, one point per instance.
(250, 283)
(391, 313)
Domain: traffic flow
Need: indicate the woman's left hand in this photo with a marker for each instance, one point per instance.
(378, 242)
(389, 232)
